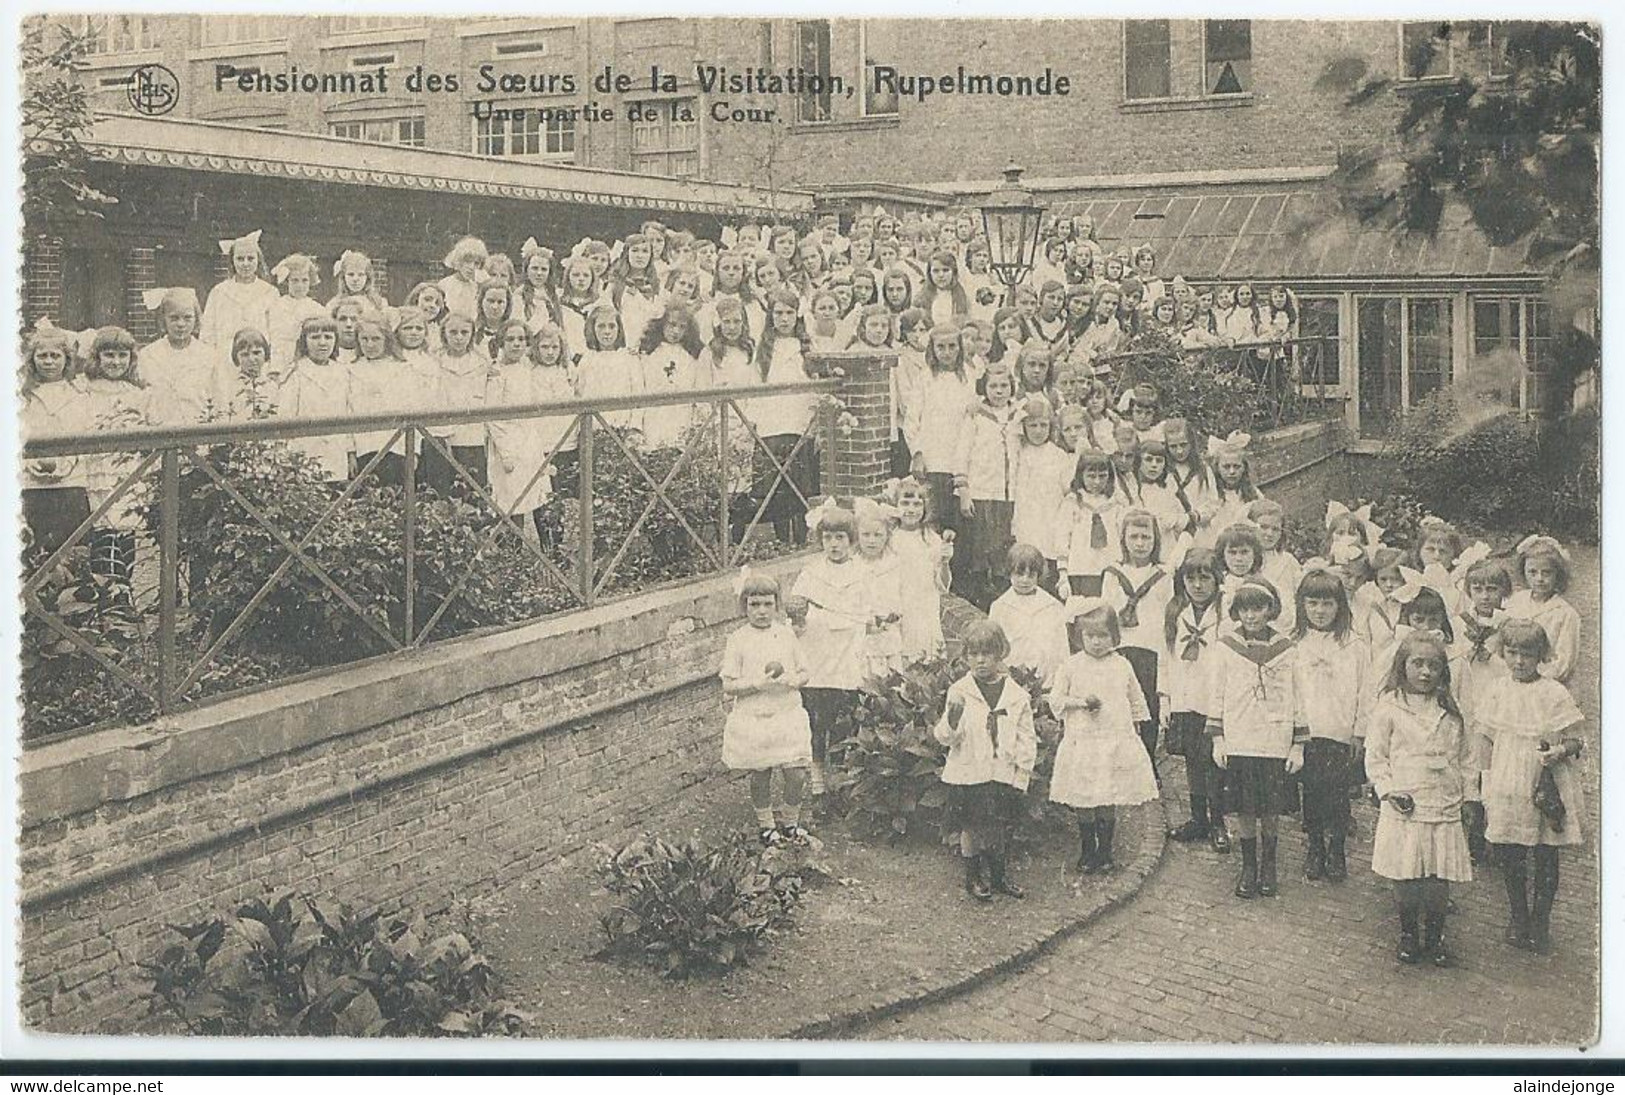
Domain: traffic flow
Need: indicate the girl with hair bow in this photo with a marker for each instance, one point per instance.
(189, 376)
(1545, 569)
(297, 275)
(466, 261)
(244, 299)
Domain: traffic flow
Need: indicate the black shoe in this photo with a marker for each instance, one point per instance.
(769, 837)
(1267, 885)
(1220, 841)
(1001, 882)
(794, 834)
(1410, 948)
(1314, 859)
(1517, 935)
(1189, 833)
(1433, 944)
(975, 884)
(1337, 864)
(1247, 883)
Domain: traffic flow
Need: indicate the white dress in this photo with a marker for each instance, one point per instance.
(920, 552)
(234, 305)
(1561, 623)
(1517, 718)
(188, 385)
(320, 391)
(883, 643)
(767, 729)
(523, 442)
(666, 370)
(611, 374)
(1101, 760)
(832, 640)
(1035, 624)
(1415, 747)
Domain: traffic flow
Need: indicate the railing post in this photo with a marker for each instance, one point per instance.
(724, 532)
(409, 486)
(168, 579)
(584, 529)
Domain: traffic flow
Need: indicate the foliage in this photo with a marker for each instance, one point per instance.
(56, 115)
(888, 774)
(1214, 400)
(305, 966)
(685, 908)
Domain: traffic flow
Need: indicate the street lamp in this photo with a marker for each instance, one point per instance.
(1010, 222)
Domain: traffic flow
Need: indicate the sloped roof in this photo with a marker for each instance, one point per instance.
(1290, 232)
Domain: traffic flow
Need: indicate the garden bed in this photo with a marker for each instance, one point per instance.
(897, 927)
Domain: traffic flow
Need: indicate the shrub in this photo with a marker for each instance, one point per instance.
(1214, 401)
(303, 966)
(685, 908)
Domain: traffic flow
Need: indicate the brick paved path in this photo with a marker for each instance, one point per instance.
(1186, 961)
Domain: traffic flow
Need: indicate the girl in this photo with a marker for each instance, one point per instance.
(1052, 266)
(54, 499)
(1335, 682)
(187, 377)
(924, 555)
(1193, 330)
(375, 388)
(465, 260)
(496, 308)
(937, 423)
(1035, 374)
(115, 399)
(762, 673)
(731, 347)
(865, 289)
(1095, 398)
(356, 277)
(462, 378)
(297, 274)
(1256, 719)
(683, 286)
(599, 258)
(883, 639)
(996, 433)
(943, 297)
(1239, 324)
(1144, 406)
(427, 298)
(1478, 663)
(1377, 609)
(1438, 547)
(1278, 321)
(242, 300)
(731, 285)
(318, 386)
(825, 331)
(669, 355)
(517, 449)
(256, 386)
(770, 276)
(1153, 492)
(1416, 756)
(538, 296)
(1190, 634)
(827, 608)
(1192, 479)
(1009, 336)
(1530, 723)
(1101, 763)
(1125, 450)
(1545, 569)
(786, 468)
(1104, 335)
(1030, 615)
(607, 369)
(896, 292)
(872, 328)
(1349, 534)
(1050, 322)
(1241, 553)
(582, 293)
(1282, 570)
(912, 334)
(499, 270)
(1145, 270)
(1233, 490)
(1090, 513)
(1139, 590)
(1164, 316)
(987, 725)
(1043, 476)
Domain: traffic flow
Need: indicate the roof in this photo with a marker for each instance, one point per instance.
(212, 146)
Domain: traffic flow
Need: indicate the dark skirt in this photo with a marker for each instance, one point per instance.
(53, 513)
(390, 472)
(1256, 786)
(988, 530)
(987, 809)
(436, 472)
(1325, 778)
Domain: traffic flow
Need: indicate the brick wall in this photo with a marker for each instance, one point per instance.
(403, 782)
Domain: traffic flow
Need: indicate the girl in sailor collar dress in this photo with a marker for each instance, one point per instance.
(1233, 489)
(1190, 637)
(1416, 755)
(1544, 568)
(1089, 514)
(987, 725)
(1256, 719)
(189, 378)
(828, 610)
(762, 673)
(1101, 763)
(1531, 722)
(242, 300)
(1139, 588)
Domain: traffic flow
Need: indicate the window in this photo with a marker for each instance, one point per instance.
(374, 60)
(1495, 49)
(666, 137)
(526, 131)
(1512, 348)
(1403, 350)
(1320, 317)
(407, 131)
(1147, 60)
(1428, 344)
(1424, 50)
(764, 44)
(360, 24)
(228, 30)
(117, 33)
(1227, 56)
(880, 46)
(812, 56)
(533, 48)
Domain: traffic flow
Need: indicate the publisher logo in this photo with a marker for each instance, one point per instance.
(154, 90)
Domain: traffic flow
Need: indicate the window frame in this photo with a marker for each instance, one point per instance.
(145, 41)
(1169, 96)
(828, 69)
(232, 43)
(1527, 307)
(542, 156)
(397, 120)
(863, 74)
(1339, 302)
(1449, 40)
(1204, 93)
(666, 125)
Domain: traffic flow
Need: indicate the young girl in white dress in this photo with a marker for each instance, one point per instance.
(297, 275)
(762, 674)
(1544, 569)
(1417, 755)
(1101, 763)
(924, 555)
(1531, 723)
(243, 300)
(1032, 619)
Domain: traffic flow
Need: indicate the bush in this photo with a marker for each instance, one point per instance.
(1214, 402)
(1482, 467)
(304, 966)
(685, 908)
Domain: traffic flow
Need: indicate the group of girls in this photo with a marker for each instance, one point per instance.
(1432, 671)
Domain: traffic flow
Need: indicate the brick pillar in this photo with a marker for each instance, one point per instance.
(857, 463)
(380, 276)
(140, 274)
(42, 280)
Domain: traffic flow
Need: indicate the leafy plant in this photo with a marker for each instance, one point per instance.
(56, 116)
(1214, 401)
(685, 908)
(304, 966)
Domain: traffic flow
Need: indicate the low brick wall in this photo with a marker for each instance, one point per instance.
(1302, 466)
(406, 781)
